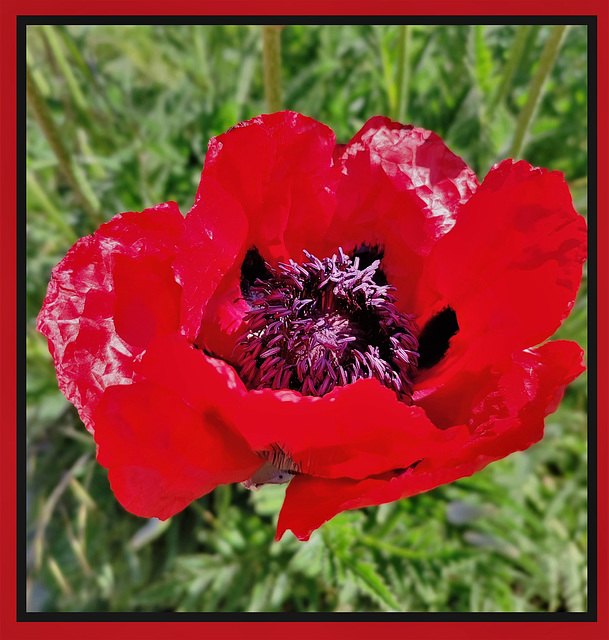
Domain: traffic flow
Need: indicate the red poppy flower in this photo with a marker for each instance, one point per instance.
(359, 319)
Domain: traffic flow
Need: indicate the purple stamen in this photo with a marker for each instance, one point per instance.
(323, 324)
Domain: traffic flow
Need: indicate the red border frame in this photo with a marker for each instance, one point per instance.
(10, 629)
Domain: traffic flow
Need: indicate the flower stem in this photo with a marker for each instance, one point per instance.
(271, 55)
(546, 64)
(72, 172)
(403, 73)
(511, 65)
(62, 62)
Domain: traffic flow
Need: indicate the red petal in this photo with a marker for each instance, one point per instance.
(510, 268)
(355, 431)
(509, 418)
(400, 189)
(222, 323)
(175, 364)
(172, 437)
(112, 293)
(161, 453)
(147, 302)
(264, 184)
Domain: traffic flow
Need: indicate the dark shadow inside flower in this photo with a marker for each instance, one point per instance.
(435, 337)
(367, 254)
(253, 269)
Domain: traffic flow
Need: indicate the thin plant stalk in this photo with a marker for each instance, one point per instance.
(39, 77)
(516, 51)
(546, 64)
(73, 173)
(203, 75)
(62, 62)
(403, 73)
(271, 56)
(388, 70)
(50, 209)
(90, 78)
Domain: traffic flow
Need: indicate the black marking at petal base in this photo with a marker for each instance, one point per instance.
(253, 268)
(435, 336)
(367, 254)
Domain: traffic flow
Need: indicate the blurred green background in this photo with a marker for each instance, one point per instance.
(118, 119)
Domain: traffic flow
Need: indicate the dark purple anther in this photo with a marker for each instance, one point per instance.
(323, 324)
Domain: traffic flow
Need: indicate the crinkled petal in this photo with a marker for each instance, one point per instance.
(510, 268)
(108, 298)
(508, 418)
(354, 431)
(400, 189)
(264, 184)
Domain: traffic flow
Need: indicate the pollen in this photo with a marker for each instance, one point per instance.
(326, 323)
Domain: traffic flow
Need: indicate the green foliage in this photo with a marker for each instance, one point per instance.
(135, 107)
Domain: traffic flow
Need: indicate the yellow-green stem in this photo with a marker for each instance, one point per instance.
(271, 55)
(546, 64)
(403, 73)
(516, 51)
(72, 172)
(50, 209)
(62, 62)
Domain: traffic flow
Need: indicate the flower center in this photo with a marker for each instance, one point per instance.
(323, 324)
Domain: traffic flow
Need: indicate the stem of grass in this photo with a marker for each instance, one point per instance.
(50, 209)
(271, 55)
(73, 173)
(511, 65)
(62, 63)
(546, 64)
(403, 73)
